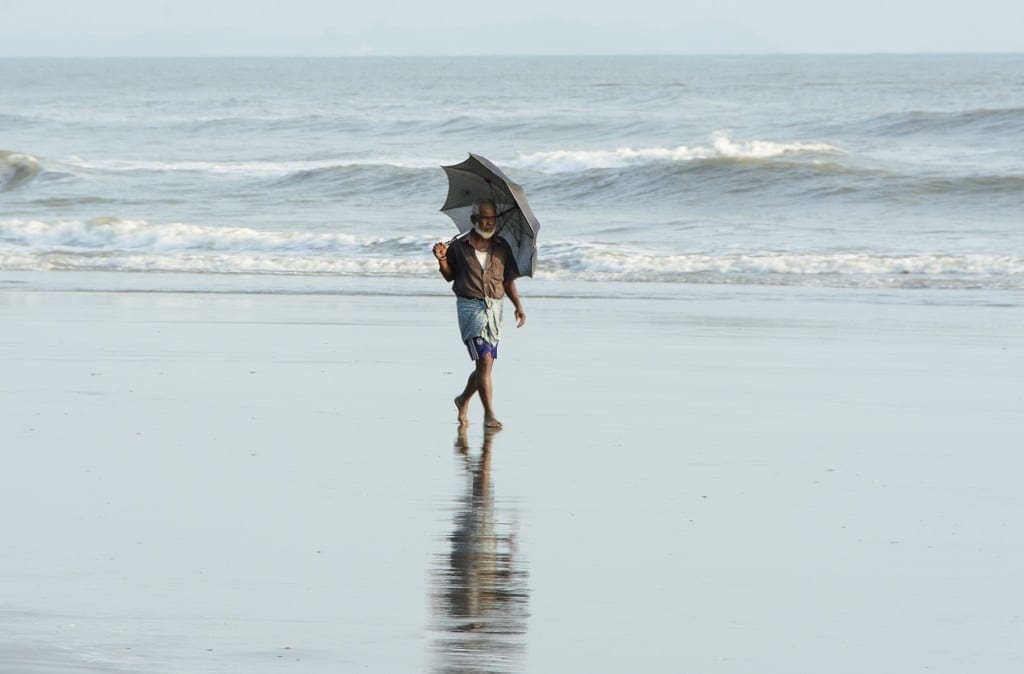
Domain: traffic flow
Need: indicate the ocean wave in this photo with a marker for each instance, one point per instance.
(311, 123)
(17, 169)
(700, 181)
(722, 147)
(385, 179)
(555, 163)
(120, 245)
(783, 175)
(286, 171)
(113, 235)
(783, 181)
(1008, 184)
(985, 120)
(379, 181)
(112, 244)
(14, 120)
(210, 264)
(367, 124)
(511, 127)
(255, 168)
(602, 262)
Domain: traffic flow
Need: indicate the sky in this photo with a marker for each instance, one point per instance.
(463, 27)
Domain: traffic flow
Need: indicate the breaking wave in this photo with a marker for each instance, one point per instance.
(723, 172)
(600, 262)
(111, 244)
(16, 169)
(114, 234)
(769, 172)
(123, 245)
(551, 162)
(570, 161)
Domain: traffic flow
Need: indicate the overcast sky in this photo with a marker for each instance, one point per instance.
(390, 27)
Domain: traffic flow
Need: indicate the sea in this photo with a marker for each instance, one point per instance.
(875, 175)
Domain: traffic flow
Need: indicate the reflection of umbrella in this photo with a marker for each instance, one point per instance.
(477, 177)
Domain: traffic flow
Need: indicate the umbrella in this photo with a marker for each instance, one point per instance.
(477, 177)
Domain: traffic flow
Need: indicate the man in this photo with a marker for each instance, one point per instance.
(483, 270)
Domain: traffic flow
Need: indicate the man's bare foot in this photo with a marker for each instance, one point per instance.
(462, 405)
(492, 422)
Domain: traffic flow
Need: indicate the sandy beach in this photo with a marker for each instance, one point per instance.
(716, 480)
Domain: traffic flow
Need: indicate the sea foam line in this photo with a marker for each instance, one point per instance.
(583, 262)
(568, 161)
(112, 244)
(208, 263)
(865, 271)
(601, 263)
(113, 234)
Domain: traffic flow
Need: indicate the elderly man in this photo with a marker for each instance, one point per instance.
(484, 271)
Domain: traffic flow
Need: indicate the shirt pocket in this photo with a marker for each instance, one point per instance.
(496, 275)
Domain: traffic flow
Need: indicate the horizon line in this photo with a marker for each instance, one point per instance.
(508, 55)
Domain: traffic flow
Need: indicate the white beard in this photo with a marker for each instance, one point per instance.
(482, 235)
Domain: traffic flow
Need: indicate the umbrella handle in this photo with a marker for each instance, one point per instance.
(457, 236)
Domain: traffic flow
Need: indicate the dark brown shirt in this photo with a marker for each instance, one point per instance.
(472, 280)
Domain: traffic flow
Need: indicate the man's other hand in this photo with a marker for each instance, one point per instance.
(440, 250)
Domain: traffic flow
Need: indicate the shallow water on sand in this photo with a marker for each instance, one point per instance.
(210, 483)
(480, 594)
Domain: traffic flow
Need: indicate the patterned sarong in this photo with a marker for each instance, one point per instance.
(479, 318)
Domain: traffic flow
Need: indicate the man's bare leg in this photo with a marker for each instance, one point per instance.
(462, 400)
(484, 364)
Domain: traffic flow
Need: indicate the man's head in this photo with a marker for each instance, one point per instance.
(484, 217)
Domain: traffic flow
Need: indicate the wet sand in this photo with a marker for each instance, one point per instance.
(730, 481)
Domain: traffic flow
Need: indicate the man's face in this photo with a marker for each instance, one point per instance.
(486, 219)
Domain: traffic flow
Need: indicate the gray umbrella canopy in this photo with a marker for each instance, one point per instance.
(476, 178)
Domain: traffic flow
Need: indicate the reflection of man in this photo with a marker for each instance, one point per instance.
(484, 271)
(481, 592)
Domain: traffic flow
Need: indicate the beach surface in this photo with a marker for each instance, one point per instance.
(718, 479)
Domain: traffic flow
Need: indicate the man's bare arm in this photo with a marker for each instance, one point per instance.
(513, 295)
(441, 253)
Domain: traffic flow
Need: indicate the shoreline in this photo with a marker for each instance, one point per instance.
(186, 283)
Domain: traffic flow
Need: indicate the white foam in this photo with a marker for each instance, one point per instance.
(603, 263)
(568, 161)
(111, 234)
(111, 244)
(220, 264)
(132, 245)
